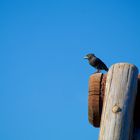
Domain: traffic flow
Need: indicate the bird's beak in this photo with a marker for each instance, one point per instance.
(85, 57)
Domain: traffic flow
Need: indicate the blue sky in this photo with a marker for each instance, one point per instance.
(43, 76)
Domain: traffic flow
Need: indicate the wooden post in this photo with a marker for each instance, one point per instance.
(119, 100)
(94, 100)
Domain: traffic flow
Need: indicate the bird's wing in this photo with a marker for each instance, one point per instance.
(101, 64)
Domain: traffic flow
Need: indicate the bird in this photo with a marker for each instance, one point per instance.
(96, 62)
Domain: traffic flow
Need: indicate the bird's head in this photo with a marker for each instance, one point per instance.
(89, 56)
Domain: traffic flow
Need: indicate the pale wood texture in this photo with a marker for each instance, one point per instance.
(119, 100)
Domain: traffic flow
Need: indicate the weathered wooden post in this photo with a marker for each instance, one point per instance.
(118, 101)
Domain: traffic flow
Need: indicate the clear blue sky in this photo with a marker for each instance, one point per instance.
(43, 76)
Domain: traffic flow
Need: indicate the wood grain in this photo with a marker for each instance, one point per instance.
(121, 89)
(94, 99)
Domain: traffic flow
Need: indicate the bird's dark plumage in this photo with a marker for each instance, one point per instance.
(96, 62)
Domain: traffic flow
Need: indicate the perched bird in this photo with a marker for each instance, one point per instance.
(96, 62)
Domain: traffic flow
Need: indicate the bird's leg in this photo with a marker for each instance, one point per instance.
(98, 71)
